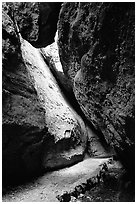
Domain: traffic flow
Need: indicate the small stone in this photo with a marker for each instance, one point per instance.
(73, 199)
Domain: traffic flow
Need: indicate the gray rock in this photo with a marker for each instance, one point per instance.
(96, 47)
(37, 21)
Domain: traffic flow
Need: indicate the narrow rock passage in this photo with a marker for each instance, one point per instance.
(47, 187)
(96, 146)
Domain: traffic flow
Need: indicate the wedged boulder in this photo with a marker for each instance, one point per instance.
(37, 21)
(96, 47)
(95, 146)
(39, 129)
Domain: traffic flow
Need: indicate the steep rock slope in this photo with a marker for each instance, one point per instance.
(39, 130)
(96, 46)
(37, 21)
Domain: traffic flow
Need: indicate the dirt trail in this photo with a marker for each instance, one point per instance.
(47, 187)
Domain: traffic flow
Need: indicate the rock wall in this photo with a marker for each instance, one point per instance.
(39, 129)
(37, 21)
(96, 47)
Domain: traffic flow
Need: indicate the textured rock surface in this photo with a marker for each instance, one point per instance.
(96, 45)
(95, 146)
(37, 21)
(39, 129)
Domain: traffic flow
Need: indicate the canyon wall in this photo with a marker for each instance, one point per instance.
(96, 47)
(36, 21)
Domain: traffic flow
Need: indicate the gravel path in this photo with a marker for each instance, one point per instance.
(47, 187)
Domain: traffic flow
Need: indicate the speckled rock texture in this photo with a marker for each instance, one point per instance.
(96, 47)
(37, 21)
(39, 130)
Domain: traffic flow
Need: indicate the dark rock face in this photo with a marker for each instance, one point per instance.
(39, 130)
(96, 46)
(37, 22)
